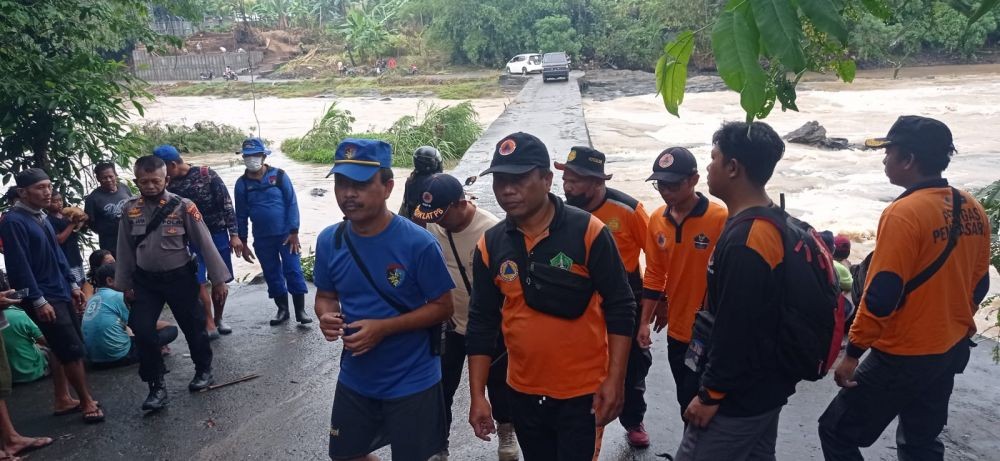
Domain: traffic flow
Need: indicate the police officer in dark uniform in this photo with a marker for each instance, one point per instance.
(156, 267)
(426, 162)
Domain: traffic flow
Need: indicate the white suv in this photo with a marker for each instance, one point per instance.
(525, 64)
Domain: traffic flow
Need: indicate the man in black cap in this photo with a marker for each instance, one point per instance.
(458, 225)
(928, 274)
(567, 316)
(584, 185)
(35, 262)
(681, 237)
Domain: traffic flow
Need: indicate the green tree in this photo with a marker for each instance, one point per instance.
(370, 30)
(556, 33)
(65, 88)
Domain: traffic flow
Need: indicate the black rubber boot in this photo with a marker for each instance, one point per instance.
(299, 301)
(282, 316)
(157, 398)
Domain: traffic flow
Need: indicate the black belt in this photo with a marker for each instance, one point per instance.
(185, 270)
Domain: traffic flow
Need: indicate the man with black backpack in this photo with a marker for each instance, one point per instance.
(205, 188)
(154, 267)
(744, 379)
(383, 288)
(265, 197)
(926, 278)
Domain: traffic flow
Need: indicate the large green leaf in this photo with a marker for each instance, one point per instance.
(825, 14)
(846, 69)
(878, 8)
(984, 8)
(735, 42)
(780, 31)
(671, 71)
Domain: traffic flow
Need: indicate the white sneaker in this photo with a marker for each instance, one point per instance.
(507, 451)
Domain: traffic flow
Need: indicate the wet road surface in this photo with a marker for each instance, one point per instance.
(284, 413)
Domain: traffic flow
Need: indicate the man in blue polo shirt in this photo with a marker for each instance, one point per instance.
(265, 197)
(388, 308)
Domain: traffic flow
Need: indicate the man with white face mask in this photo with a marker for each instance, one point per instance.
(265, 196)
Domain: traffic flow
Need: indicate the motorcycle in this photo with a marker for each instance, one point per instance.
(228, 74)
(206, 75)
(413, 70)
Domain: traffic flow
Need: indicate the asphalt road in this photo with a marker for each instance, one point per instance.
(284, 414)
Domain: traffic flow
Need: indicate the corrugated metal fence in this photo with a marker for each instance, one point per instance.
(191, 66)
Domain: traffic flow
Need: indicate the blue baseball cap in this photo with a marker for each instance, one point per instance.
(360, 159)
(167, 153)
(253, 146)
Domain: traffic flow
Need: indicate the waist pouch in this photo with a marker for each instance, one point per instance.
(556, 291)
(701, 334)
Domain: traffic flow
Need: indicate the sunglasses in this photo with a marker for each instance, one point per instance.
(661, 186)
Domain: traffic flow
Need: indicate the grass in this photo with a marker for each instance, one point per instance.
(444, 88)
(202, 137)
(451, 129)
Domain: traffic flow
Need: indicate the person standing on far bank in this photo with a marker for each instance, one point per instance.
(928, 274)
(265, 197)
(155, 267)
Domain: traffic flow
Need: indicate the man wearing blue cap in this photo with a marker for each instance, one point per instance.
(205, 188)
(265, 196)
(388, 308)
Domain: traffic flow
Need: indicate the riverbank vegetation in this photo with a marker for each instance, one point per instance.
(989, 197)
(458, 88)
(202, 137)
(451, 129)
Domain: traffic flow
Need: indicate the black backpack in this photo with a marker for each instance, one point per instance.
(812, 307)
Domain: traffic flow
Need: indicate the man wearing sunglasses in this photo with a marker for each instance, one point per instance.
(584, 185)
(679, 242)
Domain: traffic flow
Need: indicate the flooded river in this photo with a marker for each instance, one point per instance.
(281, 119)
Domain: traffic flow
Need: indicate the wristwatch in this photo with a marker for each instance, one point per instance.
(707, 399)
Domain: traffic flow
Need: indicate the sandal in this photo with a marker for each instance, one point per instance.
(37, 443)
(68, 411)
(93, 417)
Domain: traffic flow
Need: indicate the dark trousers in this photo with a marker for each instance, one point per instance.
(179, 289)
(639, 361)
(164, 336)
(452, 363)
(552, 429)
(685, 379)
(915, 388)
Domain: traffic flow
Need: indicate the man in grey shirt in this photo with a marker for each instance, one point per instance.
(156, 267)
(104, 205)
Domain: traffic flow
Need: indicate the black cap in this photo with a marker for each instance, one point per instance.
(674, 164)
(30, 176)
(585, 161)
(439, 192)
(917, 134)
(518, 153)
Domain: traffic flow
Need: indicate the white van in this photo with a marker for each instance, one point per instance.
(525, 64)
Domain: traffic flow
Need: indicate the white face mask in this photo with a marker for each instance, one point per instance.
(253, 163)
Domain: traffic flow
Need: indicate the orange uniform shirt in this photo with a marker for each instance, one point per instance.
(912, 233)
(677, 256)
(548, 355)
(627, 220)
